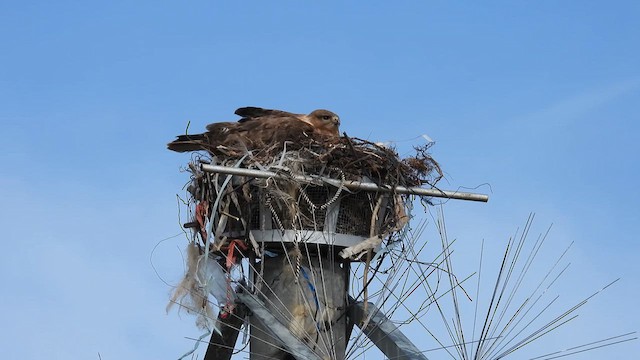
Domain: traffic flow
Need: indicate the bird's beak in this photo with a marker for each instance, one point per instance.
(336, 121)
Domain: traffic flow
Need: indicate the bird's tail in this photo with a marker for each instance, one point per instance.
(184, 143)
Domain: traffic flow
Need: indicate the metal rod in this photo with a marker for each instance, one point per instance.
(383, 333)
(353, 185)
(222, 345)
(294, 346)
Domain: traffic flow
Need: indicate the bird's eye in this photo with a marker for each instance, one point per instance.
(326, 117)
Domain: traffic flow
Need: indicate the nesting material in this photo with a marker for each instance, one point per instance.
(201, 279)
(228, 207)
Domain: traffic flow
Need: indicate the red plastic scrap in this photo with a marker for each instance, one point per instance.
(202, 214)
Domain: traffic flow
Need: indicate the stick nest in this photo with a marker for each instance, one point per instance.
(291, 204)
(343, 157)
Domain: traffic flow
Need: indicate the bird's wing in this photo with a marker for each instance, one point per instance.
(272, 130)
(260, 132)
(251, 113)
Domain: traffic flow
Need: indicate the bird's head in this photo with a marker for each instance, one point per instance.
(325, 121)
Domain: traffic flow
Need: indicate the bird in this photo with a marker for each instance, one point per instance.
(259, 129)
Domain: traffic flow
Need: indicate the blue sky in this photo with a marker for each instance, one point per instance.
(539, 100)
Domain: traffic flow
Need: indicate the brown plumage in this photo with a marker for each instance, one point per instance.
(260, 129)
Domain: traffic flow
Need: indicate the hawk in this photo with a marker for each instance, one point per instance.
(260, 129)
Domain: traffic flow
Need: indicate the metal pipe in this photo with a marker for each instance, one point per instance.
(353, 185)
(383, 333)
(271, 323)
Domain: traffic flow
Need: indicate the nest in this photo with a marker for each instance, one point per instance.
(350, 157)
(241, 204)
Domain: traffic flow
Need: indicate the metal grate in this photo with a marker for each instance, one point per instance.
(354, 212)
(313, 217)
(354, 216)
